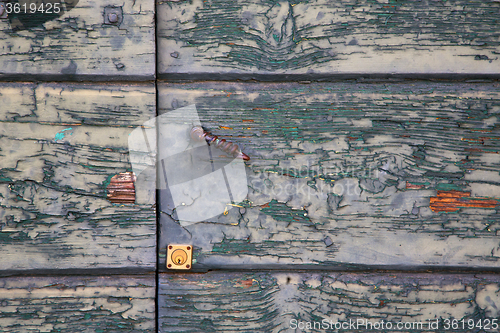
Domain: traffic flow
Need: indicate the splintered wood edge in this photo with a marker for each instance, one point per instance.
(121, 188)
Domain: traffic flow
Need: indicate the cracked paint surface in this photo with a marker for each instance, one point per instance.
(78, 43)
(268, 302)
(77, 304)
(357, 163)
(323, 37)
(54, 212)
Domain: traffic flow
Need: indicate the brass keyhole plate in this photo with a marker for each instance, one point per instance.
(179, 256)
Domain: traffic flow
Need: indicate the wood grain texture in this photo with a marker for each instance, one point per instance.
(276, 302)
(60, 146)
(77, 304)
(320, 37)
(342, 175)
(78, 44)
(451, 201)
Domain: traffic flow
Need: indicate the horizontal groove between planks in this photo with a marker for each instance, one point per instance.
(363, 77)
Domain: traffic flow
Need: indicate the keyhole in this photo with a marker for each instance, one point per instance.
(179, 257)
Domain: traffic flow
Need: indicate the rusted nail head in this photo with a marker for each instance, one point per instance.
(2, 9)
(189, 247)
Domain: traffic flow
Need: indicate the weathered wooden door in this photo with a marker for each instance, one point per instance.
(75, 82)
(372, 192)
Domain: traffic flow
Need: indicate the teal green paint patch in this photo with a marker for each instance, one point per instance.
(241, 246)
(60, 135)
(106, 182)
(234, 245)
(420, 183)
(448, 187)
(88, 166)
(4, 179)
(121, 300)
(281, 212)
(12, 237)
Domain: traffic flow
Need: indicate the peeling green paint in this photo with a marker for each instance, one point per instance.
(60, 135)
(281, 212)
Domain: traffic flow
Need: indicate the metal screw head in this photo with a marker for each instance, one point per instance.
(112, 17)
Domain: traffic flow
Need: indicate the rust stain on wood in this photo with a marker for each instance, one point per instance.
(413, 186)
(451, 201)
(121, 188)
(245, 283)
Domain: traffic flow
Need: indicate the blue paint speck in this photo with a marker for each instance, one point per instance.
(60, 135)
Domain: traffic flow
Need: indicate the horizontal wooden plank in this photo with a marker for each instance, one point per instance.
(345, 174)
(317, 302)
(318, 37)
(77, 304)
(78, 41)
(125, 105)
(60, 146)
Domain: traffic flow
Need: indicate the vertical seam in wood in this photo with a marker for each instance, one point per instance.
(157, 197)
